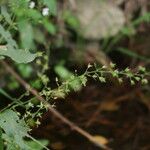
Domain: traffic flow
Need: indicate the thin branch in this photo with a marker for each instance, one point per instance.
(51, 109)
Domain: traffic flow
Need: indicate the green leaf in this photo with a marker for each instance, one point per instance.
(26, 34)
(71, 20)
(25, 70)
(144, 18)
(49, 26)
(7, 36)
(13, 84)
(15, 129)
(34, 15)
(63, 73)
(1, 141)
(10, 145)
(75, 82)
(35, 146)
(12, 51)
(20, 56)
(39, 36)
(6, 14)
(36, 83)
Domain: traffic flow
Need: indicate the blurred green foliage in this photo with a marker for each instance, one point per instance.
(26, 30)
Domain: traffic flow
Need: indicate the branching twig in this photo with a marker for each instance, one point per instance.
(51, 109)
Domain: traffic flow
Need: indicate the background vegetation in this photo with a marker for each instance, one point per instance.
(80, 63)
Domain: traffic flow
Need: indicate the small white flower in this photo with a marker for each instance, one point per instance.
(32, 5)
(45, 11)
(38, 122)
(89, 65)
(30, 105)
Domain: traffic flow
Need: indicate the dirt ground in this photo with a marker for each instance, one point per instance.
(122, 117)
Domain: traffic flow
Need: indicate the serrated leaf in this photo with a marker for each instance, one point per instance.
(12, 51)
(15, 129)
(20, 56)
